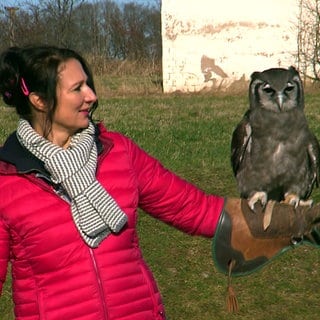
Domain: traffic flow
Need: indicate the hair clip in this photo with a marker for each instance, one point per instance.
(24, 87)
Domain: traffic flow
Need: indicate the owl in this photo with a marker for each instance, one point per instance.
(274, 155)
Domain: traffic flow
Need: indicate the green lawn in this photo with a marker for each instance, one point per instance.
(191, 135)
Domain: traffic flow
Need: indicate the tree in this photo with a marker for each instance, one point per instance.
(309, 39)
(59, 15)
(102, 29)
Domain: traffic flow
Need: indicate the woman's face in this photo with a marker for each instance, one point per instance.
(74, 100)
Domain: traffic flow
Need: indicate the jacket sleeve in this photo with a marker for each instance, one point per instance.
(4, 253)
(172, 199)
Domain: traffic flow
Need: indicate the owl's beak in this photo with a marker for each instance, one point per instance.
(279, 100)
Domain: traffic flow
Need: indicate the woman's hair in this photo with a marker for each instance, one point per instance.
(35, 69)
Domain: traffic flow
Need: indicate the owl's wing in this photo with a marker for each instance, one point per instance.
(240, 143)
(314, 157)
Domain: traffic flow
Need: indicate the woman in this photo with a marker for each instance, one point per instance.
(70, 190)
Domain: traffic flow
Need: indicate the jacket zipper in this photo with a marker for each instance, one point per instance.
(62, 194)
(101, 291)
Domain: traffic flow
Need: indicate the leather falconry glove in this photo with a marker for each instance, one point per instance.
(246, 240)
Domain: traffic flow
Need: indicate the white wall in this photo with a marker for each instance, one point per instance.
(210, 43)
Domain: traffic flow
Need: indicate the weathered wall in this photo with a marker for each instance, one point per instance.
(213, 44)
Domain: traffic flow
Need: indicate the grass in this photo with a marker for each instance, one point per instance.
(191, 134)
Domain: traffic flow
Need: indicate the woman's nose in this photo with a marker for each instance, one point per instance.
(90, 95)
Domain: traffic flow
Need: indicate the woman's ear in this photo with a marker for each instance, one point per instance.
(37, 102)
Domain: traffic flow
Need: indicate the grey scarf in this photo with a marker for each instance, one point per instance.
(95, 212)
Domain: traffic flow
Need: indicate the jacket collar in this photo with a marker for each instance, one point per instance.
(14, 154)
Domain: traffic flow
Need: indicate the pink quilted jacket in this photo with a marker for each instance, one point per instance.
(55, 275)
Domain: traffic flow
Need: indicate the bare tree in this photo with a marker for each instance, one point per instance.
(309, 39)
(103, 29)
(30, 25)
(115, 30)
(59, 15)
(12, 17)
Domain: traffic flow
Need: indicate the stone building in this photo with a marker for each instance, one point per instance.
(210, 44)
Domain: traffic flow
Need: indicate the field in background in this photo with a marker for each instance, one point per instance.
(191, 134)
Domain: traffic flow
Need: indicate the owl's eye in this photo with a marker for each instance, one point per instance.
(289, 87)
(267, 89)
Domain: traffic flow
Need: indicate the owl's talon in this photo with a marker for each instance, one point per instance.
(291, 199)
(295, 201)
(257, 197)
(306, 203)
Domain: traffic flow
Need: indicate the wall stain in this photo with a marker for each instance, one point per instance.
(175, 27)
(209, 68)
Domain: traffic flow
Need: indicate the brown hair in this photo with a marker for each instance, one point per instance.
(35, 69)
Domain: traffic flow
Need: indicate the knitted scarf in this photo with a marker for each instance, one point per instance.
(94, 211)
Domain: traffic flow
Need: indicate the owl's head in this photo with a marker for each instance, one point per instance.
(276, 89)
